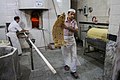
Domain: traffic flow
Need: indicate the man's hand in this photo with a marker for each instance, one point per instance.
(64, 26)
(72, 29)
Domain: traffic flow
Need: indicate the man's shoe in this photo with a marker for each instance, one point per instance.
(66, 67)
(19, 54)
(75, 75)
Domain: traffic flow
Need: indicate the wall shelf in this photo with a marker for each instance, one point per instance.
(102, 24)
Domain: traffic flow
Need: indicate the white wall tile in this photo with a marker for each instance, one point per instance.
(2, 34)
(99, 7)
(113, 29)
(115, 9)
(115, 2)
(114, 17)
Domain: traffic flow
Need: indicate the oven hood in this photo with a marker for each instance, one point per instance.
(33, 8)
(33, 4)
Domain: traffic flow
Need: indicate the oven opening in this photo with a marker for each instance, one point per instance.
(36, 19)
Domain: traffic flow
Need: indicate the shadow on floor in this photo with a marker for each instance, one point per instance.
(25, 71)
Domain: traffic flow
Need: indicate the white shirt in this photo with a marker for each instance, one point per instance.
(14, 27)
(72, 24)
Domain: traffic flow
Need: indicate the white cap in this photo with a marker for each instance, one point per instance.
(72, 10)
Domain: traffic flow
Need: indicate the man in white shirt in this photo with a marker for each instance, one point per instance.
(12, 29)
(69, 51)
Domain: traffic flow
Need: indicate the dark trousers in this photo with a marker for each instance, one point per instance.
(10, 41)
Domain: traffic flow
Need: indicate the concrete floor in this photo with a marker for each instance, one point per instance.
(91, 67)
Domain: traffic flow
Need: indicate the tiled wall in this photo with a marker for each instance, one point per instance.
(114, 17)
(100, 9)
(8, 10)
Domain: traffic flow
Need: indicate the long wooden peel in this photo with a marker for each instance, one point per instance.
(40, 54)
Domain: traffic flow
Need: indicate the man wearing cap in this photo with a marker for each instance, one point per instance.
(69, 50)
(12, 29)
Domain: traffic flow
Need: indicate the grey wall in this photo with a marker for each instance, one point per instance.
(2, 33)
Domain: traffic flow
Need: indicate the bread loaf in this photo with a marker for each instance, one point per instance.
(58, 31)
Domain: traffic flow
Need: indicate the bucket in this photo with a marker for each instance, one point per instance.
(9, 63)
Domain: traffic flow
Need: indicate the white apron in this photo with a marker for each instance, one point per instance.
(15, 41)
(70, 53)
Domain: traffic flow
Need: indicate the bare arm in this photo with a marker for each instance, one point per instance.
(22, 33)
(70, 28)
(24, 30)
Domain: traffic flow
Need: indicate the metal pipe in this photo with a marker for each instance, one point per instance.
(44, 38)
(32, 64)
(40, 54)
